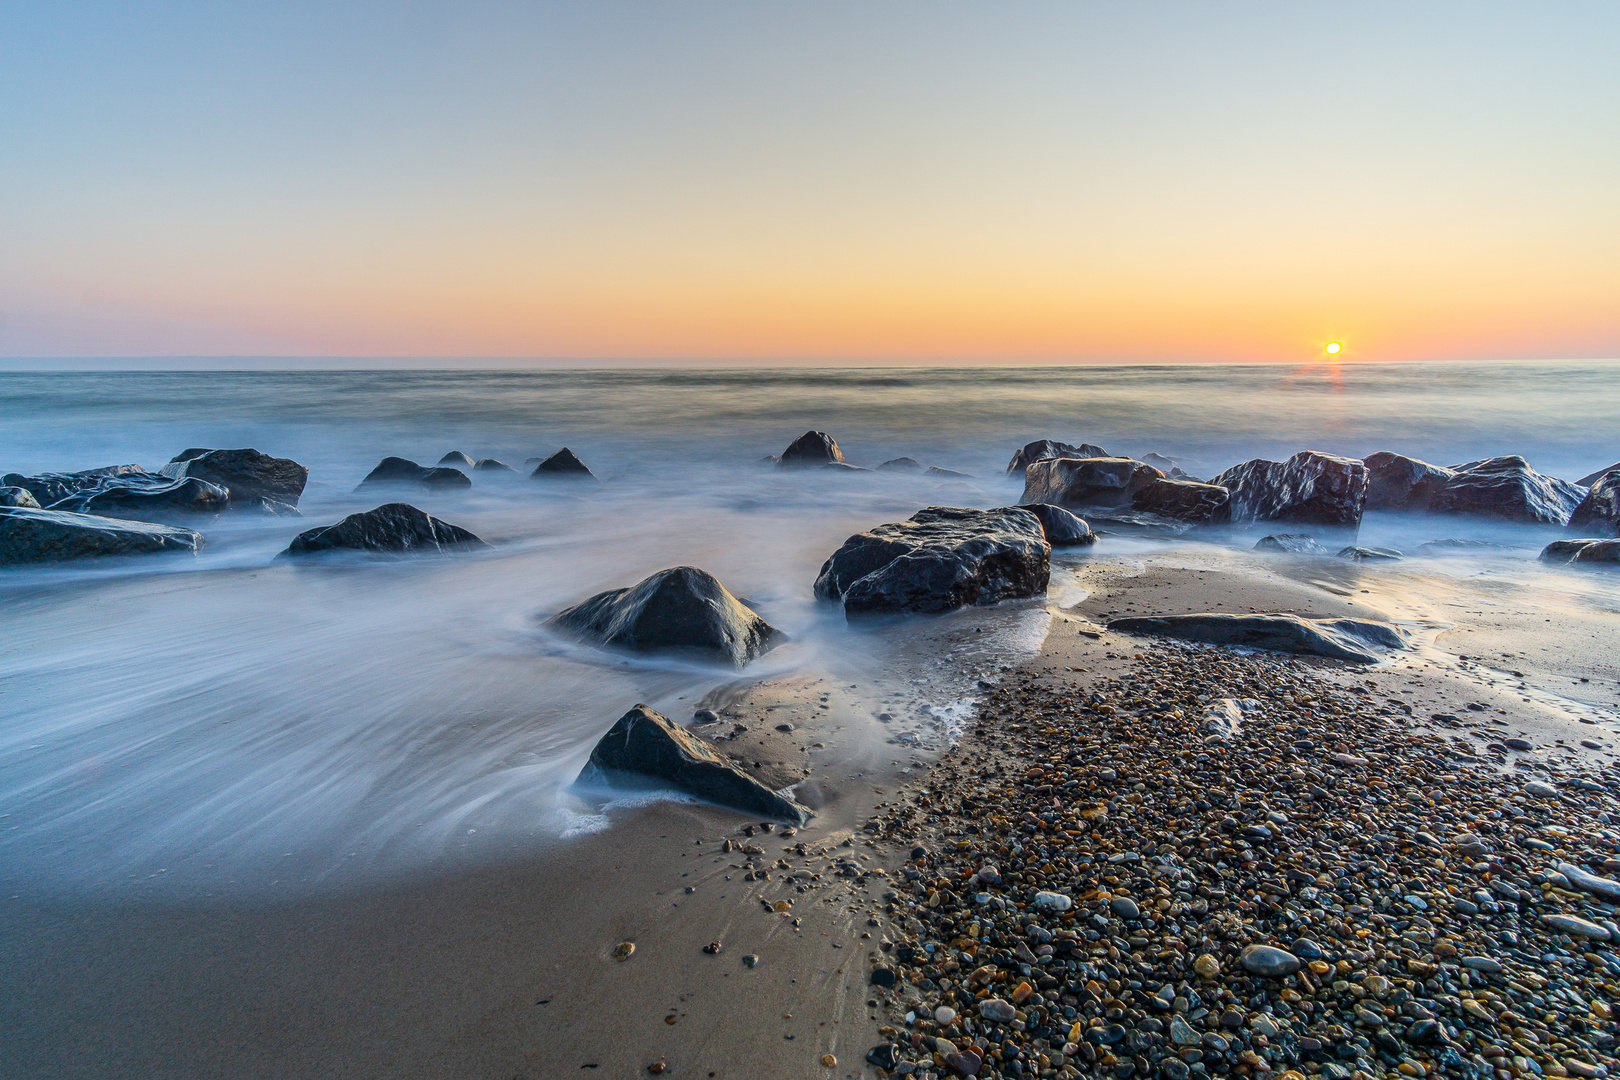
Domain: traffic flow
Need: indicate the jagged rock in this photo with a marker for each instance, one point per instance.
(48, 488)
(252, 479)
(145, 495)
(489, 464)
(1507, 487)
(1370, 554)
(901, 464)
(1589, 552)
(1086, 481)
(1591, 478)
(398, 470)
(811, 448)
(936, 471)
(1599, 513)
(1341, 639)
(1190, 501)
(1397, 482)
(393, 528)
(31, 535)
(1293, 543)
(1046, 449)
(682, 609)
(1321, 489)
(18, 496)
(456, 460)
(562, 465)
(942, 558)
(1062, 529)
(646, 744)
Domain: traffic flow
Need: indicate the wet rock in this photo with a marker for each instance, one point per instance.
(901, 465)
(1396, 482)
(811, 448)
(19, 496)
(1585, 552)
(1292, 543)
(456, 459)
(1592, 478)
(881, 976)
(682, 609)
(252, 480)
(1061, 528)
(1086, 481)
(31, 535)
(1183, 499)
(1124, 907)
(1369, 554)
(563, 465)
(1321, 489)
(493, 465)
(648, 745)
(1599, 513)
(145, 496)
(1052, 901)
(393, 528)
(398, 470)
(1507, 487)
(946, 474)
(1047, 449)
(997, 1011)
(1269, 961)
(1353, 640)
(940, 559)
(883, 1056)
(1171, 467)
(1592, 883)
(1576, 927)
(49, 488)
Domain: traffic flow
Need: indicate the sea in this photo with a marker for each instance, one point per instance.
(234, 723)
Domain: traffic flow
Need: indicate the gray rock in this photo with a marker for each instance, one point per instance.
(1482, 963)
(997, 1011)
(490, 464)
(1369, 554)
(1269, 961)
(1599, 513)
(842, 466)
(1086, 481)
(942, 558)
(1321, 489)
(145, 496)
(1061, 528)
(1507, 487)
(1592, 478)
(1052, 901)
(1576, 927)
(946, 474)
(1607, 888)
(31, 535)
(901, 464)
(1353, 640)
(398, 470)
(252, 479)
(1396, 482)
(563, 465)
(1292, 543)
(648, 745)
(682, 609)
(1183, 499)
(811, 448)
(1047, 449)
(1125, 907)
(393, 528)
(456, 460)
(19, 496)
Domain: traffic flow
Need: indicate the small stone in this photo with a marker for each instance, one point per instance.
(882, 976)
(1264, 1025)
(1125, 907)
(705, 716)
(751, 960)
(1269, 961)
(1541, 789)
(1575, 927)
(1522, 745)
(1052, 901)
(1182, 1033)
(1482, 963)
(712, 948)
(964, 1063)
(944, 1015)
(997, 1011)
(623, 949)
(884, 1056)
(1022, 993)
(1207, 966)
(828, 1061)
(784, 727)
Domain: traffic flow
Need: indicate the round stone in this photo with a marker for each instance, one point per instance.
(1270, 961)
(1207, 966)
(1125, 907)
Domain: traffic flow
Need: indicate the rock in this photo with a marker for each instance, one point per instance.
(1321, 489)
(1369, 554)
(1599, 513)
(645, 744)
(1342, 639)
(1292, 543)
(19, 496)
(562, 465)
(1124, 907)
(1452, 546)
(1587, 552)
(811, 448)
(883, 1056)
(1086, 481)
(1052, 901)
(901, 464)
(1396, 482)
(392, 527)
(1576, 927)
(1170, 466)
(1507, 487)
(398, 470)
(944, 1014)
(252, 479)
(1183, 500)
(964, 1063)
(145, 496)
(940, 559)
(1047, 449)
(1592, 478)
(1182, 1033)
(997, 1011)
(881, 976)
(1481, 963)
(48, 488)
(1269, 961)
(1592, 883)
(705, 716)
(490, 464)
(456, 459)
(31, 535)
(1061, 528)
(682, 609)
(1541, 790)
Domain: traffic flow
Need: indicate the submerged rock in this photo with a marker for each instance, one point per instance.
(145, 495)
(392, 527)
(948, 474)
(1293, 543)
(252, 479)
(1507, 487)
(1186, 500)
(682, 609)
(1397, 482)
(562, 465)
(649, 745)
(1369, 554)
(1086, 481)
(31, 535)
(811, 448)
(18, 496)
(1599, 513)
(456, 459)
(1062, 528)
(1453, 546)
(1341, 639)
(1047, 449)
(942, 558)
(1588, 552)
(1321, 489)
(901, 464)
(489, 464)
(398, 470)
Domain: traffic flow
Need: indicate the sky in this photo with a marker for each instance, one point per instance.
(811, 182)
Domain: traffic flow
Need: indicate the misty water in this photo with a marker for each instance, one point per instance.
(232, 722)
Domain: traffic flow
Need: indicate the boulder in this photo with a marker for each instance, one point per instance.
(1321, 489)
(1396, 482)
(31, 535)
(18, 496)
(398, 470)
(563, 465)
(811, 448)
(48, 488)
(1062, 528)
(1591, 478)
(1599, 513)
(682, 609)
(1189, 501)
(1584, 552)
(1507, 487)
(489, 464)
(1106, 481)
(940, 559)
(1341, 639)
(456, 460)
(392, 528)
(901, 464)
(647, 745)
(145, 495)
(1369, 554)
(1046, 449)
(1292, 543)
(1563, 551)
(252, 479)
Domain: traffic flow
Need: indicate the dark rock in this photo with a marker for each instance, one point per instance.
(398, 470)
(1269, 961)
(456, 459)
(884, 1055)
(1583, 552)
(881, 976)
(675, 610)
(1293, 543)
(1591, 478)
(1062, 528)
(811, 448)
(30, 535)
(1086, 481)
(935, 470)
(145, 495)
(1370, 554)
(1183, 500)
(1599, 513)
(489, 464)
(1318, 488)
(562, 465)
(647, 744)
(901, 464)
(942, 558)
(1563, 551)
(1507, 487)
(1341, 639)
(48, 488)
(392, 527)
(1396, 482)
(251, 478)
(18, 496)
(1046, 449)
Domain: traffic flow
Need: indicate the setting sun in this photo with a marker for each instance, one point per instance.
(1332, 348)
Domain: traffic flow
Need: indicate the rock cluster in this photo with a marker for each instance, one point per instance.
(1584, 552)
(398, 470)
(252, 480)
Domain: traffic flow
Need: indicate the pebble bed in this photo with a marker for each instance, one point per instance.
(1226, 863)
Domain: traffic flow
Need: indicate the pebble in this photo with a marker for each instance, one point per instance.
(944, 1015)
(996, 1010)
(1577, 927)
(1053, 901)
(751, 960)
(623, 949)
(1125, 907)
(828, 1061)
(1269, 961)
(1207, 966)
(1540, 789)
(1521, 745)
